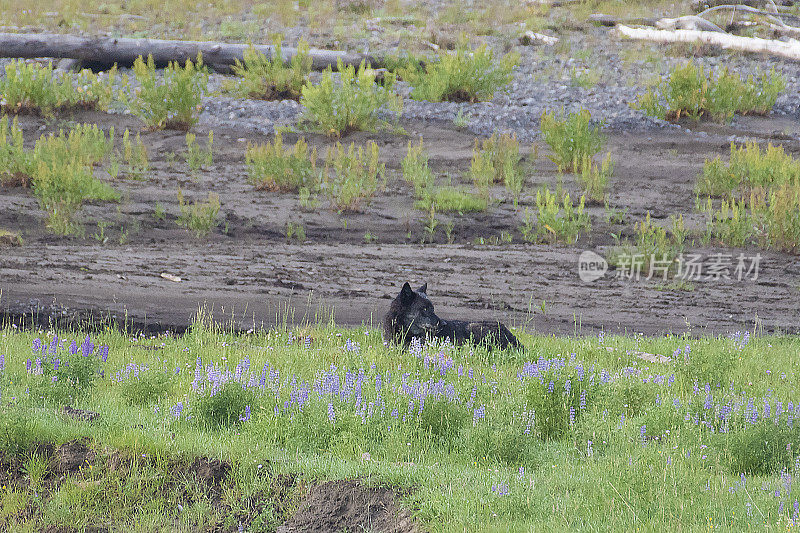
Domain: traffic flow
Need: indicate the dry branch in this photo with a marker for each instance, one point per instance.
(124, 51)
(789, 50)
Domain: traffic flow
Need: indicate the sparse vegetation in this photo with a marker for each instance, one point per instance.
(172, 101)
(197, 157)
(200, 217)
(689, 91)
(461, 76)
(273, 167)
(353, 104)
(352, 177)
(594, 178)
(558, 220)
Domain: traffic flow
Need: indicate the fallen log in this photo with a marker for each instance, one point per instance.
(105, 51)
(788, 50)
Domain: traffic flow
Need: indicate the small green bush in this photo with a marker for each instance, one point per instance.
(172, 102)
(62, 177)
(573, 141)
(415, 169)
(354, 104)
(351, 177)
(224, 407)
(759, 449)
(557, 221)
(65, 377)
(732, 224)
(594, 178)
(272, 167)
(690, 92)
(654, 250)
(197, 157)
(15, 161)
(554, 400)
(146, 388)
(34, 88)
(134, 153)
(461, 76)
(199, 217)
(748, 167)
(272, 79)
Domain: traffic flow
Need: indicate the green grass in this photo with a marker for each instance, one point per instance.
(645, 444)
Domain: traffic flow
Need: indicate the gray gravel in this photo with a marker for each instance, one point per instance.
(543, 80)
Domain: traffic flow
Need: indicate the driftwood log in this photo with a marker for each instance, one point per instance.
(100, 52)
(789, 50)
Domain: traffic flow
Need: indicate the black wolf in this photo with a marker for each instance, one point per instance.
(411, 316)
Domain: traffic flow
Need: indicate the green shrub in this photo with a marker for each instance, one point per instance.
(145, 388)
(172, 102)
(690, 92)
(350, 177)
(442, 421)
(225, 406)
(15, 161)
(461, 76)
(481, 171)
(352, 105)
(272, 167)
(553, 400)
(573, 141)
(62, 177)
(199, 217)
(731, 224)
(34, 88)
(415, 169)
(760, 449)
(272, 79)
(557, 221)
(134, 154)
(748, 167)
(594, 178)
(782, 217)
(498, 162)
(65, 377)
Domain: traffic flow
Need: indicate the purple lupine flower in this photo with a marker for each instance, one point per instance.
(2, 362)
(571, 416)
(583, 399)
(36, 346)
(642, 433)
(54, 345)
(246, 416)
(87, 348)
(102, 352)
(73, 348)
(331, 413)
(567, 386)
(478, 414)
(176, 410)
(28, 365)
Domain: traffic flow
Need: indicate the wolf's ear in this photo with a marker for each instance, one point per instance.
(423, 289)
(406, 294)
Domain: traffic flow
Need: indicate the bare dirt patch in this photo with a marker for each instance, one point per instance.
(249, 272)
(348, 505)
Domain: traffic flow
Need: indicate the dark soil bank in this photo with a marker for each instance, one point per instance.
(352, 264)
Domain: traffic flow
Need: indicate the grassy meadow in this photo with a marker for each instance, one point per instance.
(576, 433)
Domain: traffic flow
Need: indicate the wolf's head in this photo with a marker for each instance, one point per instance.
(413, 312)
